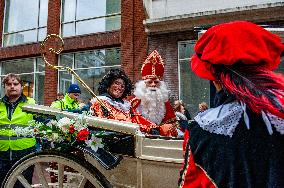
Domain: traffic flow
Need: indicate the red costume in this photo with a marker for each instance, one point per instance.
(115, 112)
(170, 116)
(153, 68)
(120, 110)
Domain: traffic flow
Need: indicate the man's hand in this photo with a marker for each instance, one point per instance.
(168, 130)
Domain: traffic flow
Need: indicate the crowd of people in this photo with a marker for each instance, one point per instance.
(237, 143)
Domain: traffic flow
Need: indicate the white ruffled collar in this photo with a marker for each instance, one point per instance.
(125, 106)
(225, 118)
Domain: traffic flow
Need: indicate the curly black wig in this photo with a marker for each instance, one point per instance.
(110, 77)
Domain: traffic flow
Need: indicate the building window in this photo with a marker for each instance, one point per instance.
(25, 21)
(31, 72)
(81, 17)
(192, 89)
(91, 66)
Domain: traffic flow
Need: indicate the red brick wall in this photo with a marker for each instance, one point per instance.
(127, 38)
(140, 39)
(167, 46)
(133, 37)
(50, 79)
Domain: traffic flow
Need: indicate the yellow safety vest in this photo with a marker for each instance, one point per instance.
(65, 104)
(8, 139)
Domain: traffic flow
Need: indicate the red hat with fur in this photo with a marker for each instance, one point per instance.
(235, 42)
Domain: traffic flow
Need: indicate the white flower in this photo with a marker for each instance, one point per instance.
(95, 143)
(79, 126)
(54, 136)
(51, 123)
(24, 131)
(64, 124)
(80, 123)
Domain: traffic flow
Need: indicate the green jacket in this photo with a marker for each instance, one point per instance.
(65, 104)
(11, 116)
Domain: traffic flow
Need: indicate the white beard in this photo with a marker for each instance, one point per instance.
(152, 104)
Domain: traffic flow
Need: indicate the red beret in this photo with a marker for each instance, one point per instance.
(233, 42)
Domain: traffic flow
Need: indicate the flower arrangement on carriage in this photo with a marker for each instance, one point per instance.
(63, 132)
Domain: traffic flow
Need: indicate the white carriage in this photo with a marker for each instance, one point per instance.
(135, 160)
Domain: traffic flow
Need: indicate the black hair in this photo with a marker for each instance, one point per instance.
(255, 85)
(110, 77)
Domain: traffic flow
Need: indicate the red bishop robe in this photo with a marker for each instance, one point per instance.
(169, 118)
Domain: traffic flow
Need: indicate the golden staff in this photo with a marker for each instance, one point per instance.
(71, 71)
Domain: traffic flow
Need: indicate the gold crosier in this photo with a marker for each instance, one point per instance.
(68, 69)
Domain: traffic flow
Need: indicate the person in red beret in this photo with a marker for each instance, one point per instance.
(240, 142)
(151, 98)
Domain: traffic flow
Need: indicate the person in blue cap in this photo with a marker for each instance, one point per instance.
(70, 100)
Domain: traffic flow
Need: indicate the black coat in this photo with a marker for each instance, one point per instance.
(250, 158)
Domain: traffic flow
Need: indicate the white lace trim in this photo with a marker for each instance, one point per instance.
(220, 120)
(277, 122)
(225, 118)
(125, 107)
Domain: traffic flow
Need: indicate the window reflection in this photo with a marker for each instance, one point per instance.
(193, 90)
(23, 20)
(90, 8)
(81, 17)
(91, 66)
(31, 72)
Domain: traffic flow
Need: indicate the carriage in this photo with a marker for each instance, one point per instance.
(133, 159)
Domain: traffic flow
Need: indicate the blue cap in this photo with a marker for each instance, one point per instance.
(74, 88)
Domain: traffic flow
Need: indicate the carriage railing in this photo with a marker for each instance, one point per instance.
(92, 121)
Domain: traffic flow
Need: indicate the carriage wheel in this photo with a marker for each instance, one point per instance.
(82, 173)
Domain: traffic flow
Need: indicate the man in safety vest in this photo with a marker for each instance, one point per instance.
(70, 100)
(13, 148)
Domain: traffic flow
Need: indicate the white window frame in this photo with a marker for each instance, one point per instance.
(75, 21)
(75, 69)
(186, 59)
(31, 29)
(34, 60)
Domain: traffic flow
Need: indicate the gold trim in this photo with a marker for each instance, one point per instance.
(172, 120)
(151, 77)
(206, 174)
(133, 102)
(186, 168)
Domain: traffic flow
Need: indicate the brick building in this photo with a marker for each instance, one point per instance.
(100, 34)
(97, 35)
(174, 26)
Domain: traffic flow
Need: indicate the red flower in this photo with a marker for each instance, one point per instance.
(83, 135)
(71, 129)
